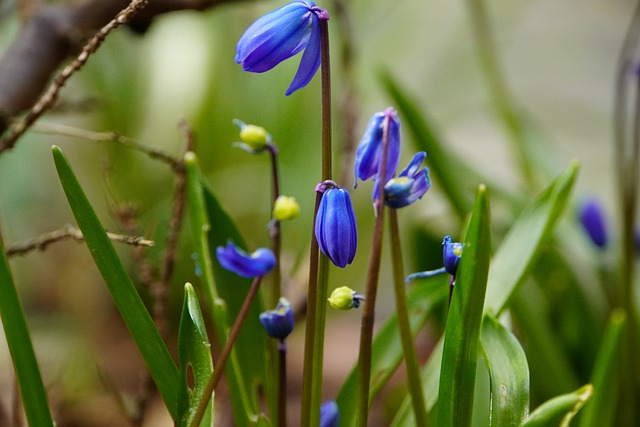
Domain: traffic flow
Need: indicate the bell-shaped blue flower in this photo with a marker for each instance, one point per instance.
(329, 414)
(593, 221)
(409, 186)
(369, 151)
(243, 264)
(279, 322)
(451, 254)
(280, 35)
(335, 227)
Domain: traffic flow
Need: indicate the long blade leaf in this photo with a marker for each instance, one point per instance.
(560, 410)
(462, 333)
(144, 332)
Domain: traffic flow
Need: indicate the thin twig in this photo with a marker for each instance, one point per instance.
(72, 131)
(48, 99)
(66, 233)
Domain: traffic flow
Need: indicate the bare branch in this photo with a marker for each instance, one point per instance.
(67, 233)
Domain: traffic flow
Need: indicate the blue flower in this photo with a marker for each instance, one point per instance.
(593, 221)
(369, 151)
(335, 227)
(451, 254)
(281, 34)
(409, 186)
(329, 414)
(243, 264)
(279, 322)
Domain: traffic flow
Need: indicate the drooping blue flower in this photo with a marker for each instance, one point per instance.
(243, 264)
(279, 322)
(593, 221)
(369, 152)
(409, 186)
(451, 254)
(280, 35)
(335, 227)
(329, 414)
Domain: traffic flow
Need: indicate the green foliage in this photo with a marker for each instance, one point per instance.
(194, 355)
(132, 310)
(462, 334)
(34, 397)
(560, 410)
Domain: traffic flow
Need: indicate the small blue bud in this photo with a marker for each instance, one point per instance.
(451, 253)
(369, 151)
(281, 34)
(243, 264)
(593, 221)
(329, 414)
(279, 322)
(335, 227)
(409, 186)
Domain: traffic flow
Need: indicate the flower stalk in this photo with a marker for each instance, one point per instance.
(402, 312)
(373, 272)
(318, 263)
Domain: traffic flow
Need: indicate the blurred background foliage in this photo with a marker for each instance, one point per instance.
(559, 60)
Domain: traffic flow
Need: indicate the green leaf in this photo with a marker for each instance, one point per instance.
(509, 374)
(244, 407)
(132, 310)
(601, 410)
(194, 354)
(560, 410)
(34, 397)
(520, 248)
(387, 348)
(462, 333)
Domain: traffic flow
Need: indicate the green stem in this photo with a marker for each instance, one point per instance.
(226, 351)
(282, 390)
(402, 311)
(318, 264)
(276, 291)
(497, 85)
(373, 272)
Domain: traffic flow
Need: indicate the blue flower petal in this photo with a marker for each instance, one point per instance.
(335, 227)
(310, 61)
(594, 222)
(451, 253)
(329, 414)
(368, 153)
(279, 322)
(243, 264)
(414, 164)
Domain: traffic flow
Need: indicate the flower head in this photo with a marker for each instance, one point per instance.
(281, 34)
(285, 208)
(279, 322)
(451, 254)
(369, 151)
(253, 139)
(345, 298)
(409, 186)
(243, 264)
(329, 414)
(593, 221)
(335, 227)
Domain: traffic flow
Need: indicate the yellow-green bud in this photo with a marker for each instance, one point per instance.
(345, 298)
(285, 208)
(255, 137)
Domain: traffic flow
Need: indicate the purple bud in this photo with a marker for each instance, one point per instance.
(593, 221)
(451, 253)
(329, 414)
(279, 322)
(335, 227)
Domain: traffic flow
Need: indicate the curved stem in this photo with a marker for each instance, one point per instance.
(410, 357)
(226, 351)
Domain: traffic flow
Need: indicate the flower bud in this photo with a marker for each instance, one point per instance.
(329, 414)
(335, 227)
(451, 253)
(345, 298)
(593, 221)
(279, 322)
(253, 139)
(285, 208)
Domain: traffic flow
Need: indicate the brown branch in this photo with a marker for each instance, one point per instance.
(49, 36)
(67, 233)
